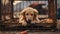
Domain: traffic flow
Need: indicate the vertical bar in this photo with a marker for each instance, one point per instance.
(12, 8)
(52, 11)
(0, 10)
(55, 4)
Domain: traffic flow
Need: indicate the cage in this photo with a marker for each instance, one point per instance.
(11, 9)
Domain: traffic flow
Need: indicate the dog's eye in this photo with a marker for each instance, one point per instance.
(26, 14)
(31, 14)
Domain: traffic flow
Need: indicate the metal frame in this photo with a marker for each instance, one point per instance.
(0, 11)
(52, 11)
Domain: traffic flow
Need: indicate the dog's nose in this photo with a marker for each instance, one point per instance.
(28, 22)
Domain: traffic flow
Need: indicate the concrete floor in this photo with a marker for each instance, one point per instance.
(30, 32)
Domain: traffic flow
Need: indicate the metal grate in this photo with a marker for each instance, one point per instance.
(11, 9)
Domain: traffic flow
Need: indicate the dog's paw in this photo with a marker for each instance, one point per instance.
(24, 24)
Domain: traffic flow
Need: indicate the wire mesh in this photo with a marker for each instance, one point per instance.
(14, 8)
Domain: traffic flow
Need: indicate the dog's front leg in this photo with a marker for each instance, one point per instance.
(24, 23)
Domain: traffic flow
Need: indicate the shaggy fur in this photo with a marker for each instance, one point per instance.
(28, 14)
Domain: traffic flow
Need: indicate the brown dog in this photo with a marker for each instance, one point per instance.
(28, 14)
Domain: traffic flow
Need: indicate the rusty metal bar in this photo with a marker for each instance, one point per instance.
(12, 8)
(52, 10)
(0, 11)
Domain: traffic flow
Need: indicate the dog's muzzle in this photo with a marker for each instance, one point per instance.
(28, 22)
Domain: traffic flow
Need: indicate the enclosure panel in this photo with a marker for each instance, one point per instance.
(28, 14)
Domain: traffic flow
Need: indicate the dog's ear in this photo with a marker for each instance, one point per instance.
(22, 18)
(35, 14)
(22, 12)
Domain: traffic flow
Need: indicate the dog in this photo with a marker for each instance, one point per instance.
(28, 15)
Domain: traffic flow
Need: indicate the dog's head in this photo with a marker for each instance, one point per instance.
(29, 14)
